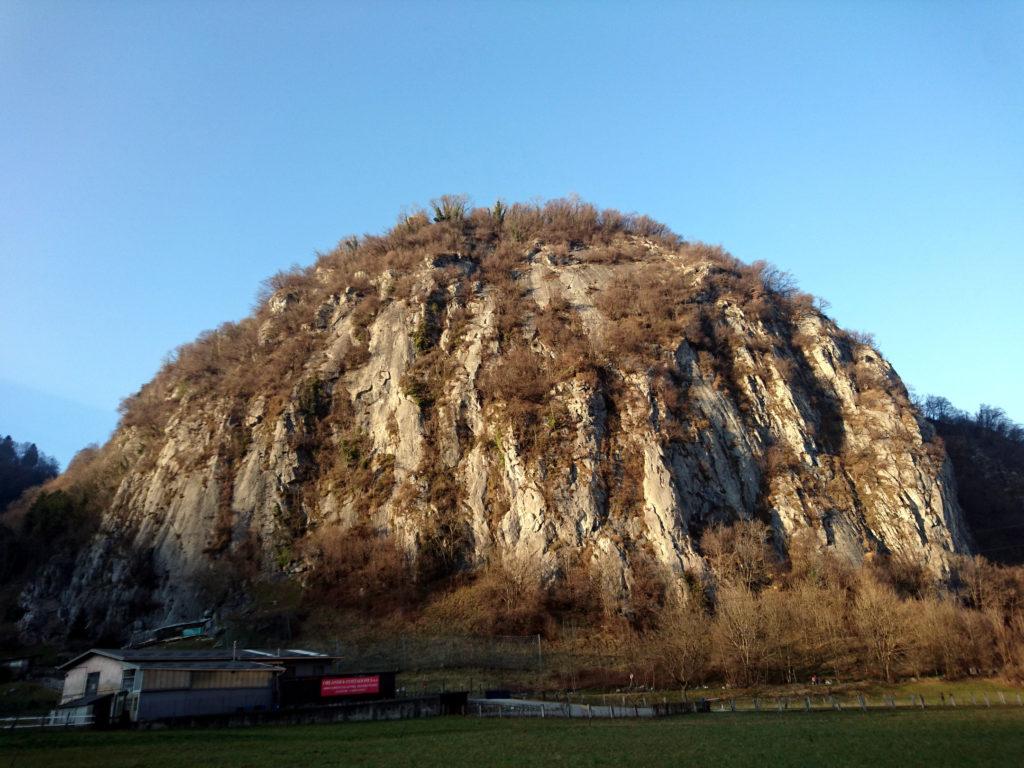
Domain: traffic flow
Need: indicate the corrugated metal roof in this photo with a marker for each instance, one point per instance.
(84, 700)
(213, 665)
(140, 655)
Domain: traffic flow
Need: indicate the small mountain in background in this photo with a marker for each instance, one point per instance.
(21, 467)
(987, 451)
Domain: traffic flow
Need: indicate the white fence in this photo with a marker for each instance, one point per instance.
(51, 720)
(567, 709)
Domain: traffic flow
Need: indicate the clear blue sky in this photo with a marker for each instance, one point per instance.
(157, 160)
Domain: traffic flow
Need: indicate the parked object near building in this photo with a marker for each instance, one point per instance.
(182, 630)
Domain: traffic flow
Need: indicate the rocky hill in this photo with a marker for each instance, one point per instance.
(556, 387)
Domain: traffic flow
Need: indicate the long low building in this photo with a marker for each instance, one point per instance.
(133, 685)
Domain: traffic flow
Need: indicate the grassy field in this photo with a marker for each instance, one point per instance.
(936, 692)
(976, 737)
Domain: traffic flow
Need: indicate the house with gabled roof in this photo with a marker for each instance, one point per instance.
(136, 685)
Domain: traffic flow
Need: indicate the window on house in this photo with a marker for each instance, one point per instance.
(128, 680)
(92, 683)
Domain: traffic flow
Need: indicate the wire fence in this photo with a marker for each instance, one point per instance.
(413, 653)
(604, 706)
(864, 702)
(542, 709)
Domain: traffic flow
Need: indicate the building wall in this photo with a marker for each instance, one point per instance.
(311, 668)
(156, 705)
(174, 679)
(110, 677)
(165, 679)
(232, 679)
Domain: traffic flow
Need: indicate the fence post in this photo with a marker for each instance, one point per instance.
(1002, 699)
(987, 702)
(807, 703)
(1019, 701)
(732, 705)
(952, 700)
(757, 705)
(921, 697)
(863, 704)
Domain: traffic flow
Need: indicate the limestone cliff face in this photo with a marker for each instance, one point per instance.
(478, 396)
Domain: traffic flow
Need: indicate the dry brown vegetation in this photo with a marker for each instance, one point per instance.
(809, 615)
(753, 619)
(267, 353)
(358, 568)
(649, 312)
(774, 621)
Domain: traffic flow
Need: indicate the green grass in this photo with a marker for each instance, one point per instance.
(931, 687)
(978, 737)
(965, 691)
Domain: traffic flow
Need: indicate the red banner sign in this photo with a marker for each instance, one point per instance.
(349, 686)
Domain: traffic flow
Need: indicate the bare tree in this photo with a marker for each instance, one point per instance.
(450, 207)
(949, 639)
(827, 608)
(741, 554)
(740, 634)
(684, 644)
(881, 621)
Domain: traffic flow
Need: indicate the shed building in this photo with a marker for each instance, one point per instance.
(139, 685)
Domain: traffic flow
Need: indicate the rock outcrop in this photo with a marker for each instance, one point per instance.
(493, 386)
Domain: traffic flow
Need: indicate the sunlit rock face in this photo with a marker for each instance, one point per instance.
(475, 394)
